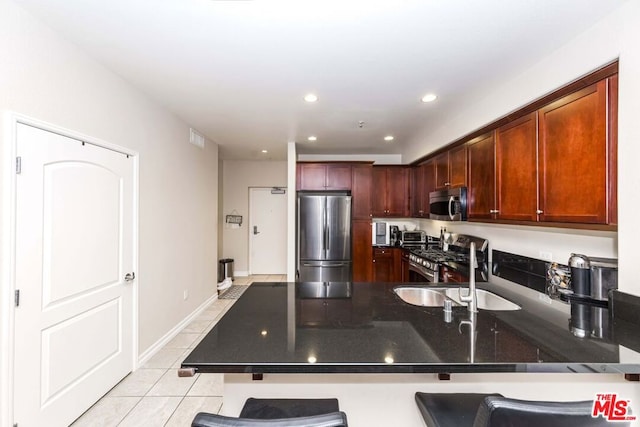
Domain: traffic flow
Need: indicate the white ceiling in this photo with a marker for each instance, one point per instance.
(237, 70)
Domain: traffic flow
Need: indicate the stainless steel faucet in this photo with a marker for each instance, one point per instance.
(473, 334)
(471, 299)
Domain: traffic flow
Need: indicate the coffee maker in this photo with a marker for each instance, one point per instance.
(592, 279)
(396, 236)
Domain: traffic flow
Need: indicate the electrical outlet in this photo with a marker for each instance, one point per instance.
(546, 255)
(185, 295)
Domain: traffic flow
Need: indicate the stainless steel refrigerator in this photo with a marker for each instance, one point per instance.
(324, 237)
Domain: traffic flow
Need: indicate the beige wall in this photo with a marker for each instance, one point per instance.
(613, 37)
(237, 177)
(44, 77)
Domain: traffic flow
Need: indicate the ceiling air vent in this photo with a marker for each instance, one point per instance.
(195, 138)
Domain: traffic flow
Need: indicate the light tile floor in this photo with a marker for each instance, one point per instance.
(154, 395)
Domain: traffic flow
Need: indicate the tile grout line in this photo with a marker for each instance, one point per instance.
(176, 408)
(130, 410)
(142, 397)
(224, 310)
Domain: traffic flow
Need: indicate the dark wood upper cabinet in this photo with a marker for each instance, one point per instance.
(423, 182)
(398, 191)
(323, 176)
(612, 135)
(573, 157)
(379, 191)
(458, 167)
(441, 164)
(311, 176)
(516, 171)
(361, 191)
(451, 168)
(390, 191)
(481, 194)
(429, 184)
(338, 176)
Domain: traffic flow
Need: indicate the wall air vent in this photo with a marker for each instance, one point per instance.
(195, 138)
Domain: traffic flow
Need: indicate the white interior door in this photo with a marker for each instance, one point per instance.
(267, 231)
(74, 245)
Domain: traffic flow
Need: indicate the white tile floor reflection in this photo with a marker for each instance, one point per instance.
(154, 395)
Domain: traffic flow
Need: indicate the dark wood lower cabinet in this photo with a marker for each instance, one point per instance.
(448, 275)
(387, 265)
(404, 266)
(361, 253)
(383, 264)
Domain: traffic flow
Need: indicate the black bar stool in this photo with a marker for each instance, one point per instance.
(494, 410)
(279, 412)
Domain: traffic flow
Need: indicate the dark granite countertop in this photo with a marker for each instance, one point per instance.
(366, 328)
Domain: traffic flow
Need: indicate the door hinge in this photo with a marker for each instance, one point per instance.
(17, 297)
(18, 165)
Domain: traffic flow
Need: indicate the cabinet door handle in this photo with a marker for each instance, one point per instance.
(539, 212)
(494, 211)
(447, 184)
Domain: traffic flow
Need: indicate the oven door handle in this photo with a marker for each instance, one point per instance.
(422, 270)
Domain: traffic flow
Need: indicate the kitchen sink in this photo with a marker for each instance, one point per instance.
(435, 297)
(425, 297)
(486, 300)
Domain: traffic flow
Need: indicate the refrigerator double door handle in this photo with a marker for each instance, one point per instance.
(325, 231)
(324, 264)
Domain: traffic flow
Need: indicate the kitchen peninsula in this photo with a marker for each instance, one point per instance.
(364, 333)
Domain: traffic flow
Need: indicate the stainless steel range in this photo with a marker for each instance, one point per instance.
(425, 264)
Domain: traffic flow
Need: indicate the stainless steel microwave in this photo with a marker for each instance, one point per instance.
(449, 204)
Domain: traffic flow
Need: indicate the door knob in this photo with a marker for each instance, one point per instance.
(129, 277)
(255, 229)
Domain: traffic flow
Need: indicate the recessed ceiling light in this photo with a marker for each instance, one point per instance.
(388, 138)
(311, 97)
(312, 359)
(313, 138)
(429, 97)
(265, 151)
(388, 359)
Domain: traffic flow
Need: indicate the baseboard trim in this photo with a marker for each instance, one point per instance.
(151, 351)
